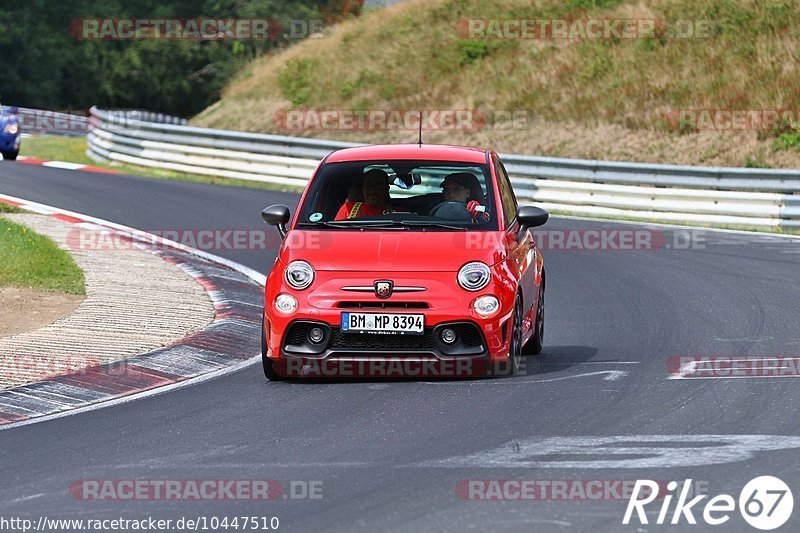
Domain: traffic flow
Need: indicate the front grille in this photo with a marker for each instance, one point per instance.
(382, 305)
(382, 342)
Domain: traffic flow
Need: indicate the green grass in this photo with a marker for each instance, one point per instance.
(735, 57)
(789, 140)
(30, 260)
(702, 55)
(53, 148)
(755, 162)
(72, 150)
(5, 208)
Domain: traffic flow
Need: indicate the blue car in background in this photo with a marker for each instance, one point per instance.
(9, 132)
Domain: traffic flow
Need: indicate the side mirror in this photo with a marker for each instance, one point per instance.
(278, 216)
(531, 217)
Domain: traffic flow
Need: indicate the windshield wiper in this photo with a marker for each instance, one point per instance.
(424, 223)
(355, 224)
(382, 224)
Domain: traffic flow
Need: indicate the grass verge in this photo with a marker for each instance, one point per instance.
(30, 260)
(5, 208)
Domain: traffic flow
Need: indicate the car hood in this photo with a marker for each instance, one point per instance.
(407, 251)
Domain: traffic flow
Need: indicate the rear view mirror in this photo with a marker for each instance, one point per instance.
(276, 215)
(406, 181)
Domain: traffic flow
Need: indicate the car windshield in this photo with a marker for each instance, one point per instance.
(412, 195)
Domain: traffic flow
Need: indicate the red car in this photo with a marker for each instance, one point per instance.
(404, 260)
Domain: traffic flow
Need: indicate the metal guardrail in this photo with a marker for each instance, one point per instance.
(77, 122)
(40, 121)
(708, 195)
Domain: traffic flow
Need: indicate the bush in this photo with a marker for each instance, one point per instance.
(787, 141)
(471, 50)
(295, 80)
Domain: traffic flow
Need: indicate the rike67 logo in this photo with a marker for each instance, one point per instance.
(765, 503)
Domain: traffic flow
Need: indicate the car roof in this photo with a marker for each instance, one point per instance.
(425, 152)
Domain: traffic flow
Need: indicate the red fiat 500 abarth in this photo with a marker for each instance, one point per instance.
(404, 254)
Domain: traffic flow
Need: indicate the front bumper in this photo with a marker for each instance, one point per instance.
(480, 341)
(336, 344)
(9, 142)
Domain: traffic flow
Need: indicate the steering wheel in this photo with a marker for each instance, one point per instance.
(440, 205)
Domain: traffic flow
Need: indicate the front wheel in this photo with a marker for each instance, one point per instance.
(511, 367)
(11, 156)
(269, 369)
(269, 365)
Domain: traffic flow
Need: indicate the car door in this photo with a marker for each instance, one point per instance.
(522, 250)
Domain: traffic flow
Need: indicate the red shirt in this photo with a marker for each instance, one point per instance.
(359, 209)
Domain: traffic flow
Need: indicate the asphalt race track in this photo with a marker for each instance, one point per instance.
(598, 404)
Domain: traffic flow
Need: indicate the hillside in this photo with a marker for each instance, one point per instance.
(611, 98)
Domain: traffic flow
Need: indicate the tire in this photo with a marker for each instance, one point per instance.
(512, 367)
(536, 342)
(269, 365)
(11, 156)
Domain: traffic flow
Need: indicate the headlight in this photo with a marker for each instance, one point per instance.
(299, 275)
(474, 276)
(11, 128)
(486, 306)
(285, 304)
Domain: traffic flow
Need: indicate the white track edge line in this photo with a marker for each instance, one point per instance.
(101, 404)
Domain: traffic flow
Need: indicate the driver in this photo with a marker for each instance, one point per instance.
(464, 192)
(375, 188)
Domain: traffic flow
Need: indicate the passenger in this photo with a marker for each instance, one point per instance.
(375, 189)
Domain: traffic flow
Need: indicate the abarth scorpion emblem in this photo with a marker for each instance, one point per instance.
(383, 289)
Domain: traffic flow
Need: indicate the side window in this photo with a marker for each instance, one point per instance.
(507, 196)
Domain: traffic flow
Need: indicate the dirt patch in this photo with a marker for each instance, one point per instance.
(29, 309)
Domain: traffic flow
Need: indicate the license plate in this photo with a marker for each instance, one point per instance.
(383, 323)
